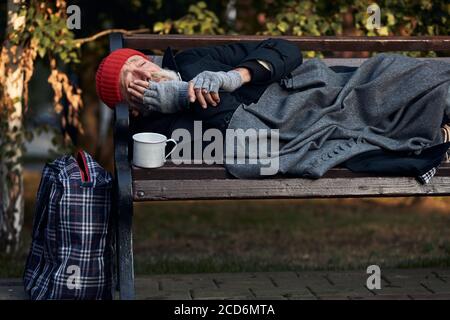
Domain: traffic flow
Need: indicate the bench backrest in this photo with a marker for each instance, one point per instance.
(338, 43)
(147, 42)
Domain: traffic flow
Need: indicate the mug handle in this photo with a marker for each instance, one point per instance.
(173, 149)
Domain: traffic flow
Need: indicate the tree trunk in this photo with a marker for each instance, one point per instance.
(11, 181)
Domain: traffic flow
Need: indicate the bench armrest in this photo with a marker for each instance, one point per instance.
(121, 131)
(123, 202)
(122, 167)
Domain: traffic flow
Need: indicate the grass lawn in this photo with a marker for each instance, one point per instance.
(227, 236)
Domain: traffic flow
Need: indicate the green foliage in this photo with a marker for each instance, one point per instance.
(322, 18)
(46, 29)
(36, 29)
(398, 17)
(304, 18)
(198, 20)
(329, 18)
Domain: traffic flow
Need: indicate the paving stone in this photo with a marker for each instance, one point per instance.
(412, 282)
(247, 280)
(417, 284)
(271, 297)
(147, 284)
(351, 284)
(165, 296)
(389, 297)
(333, 297)
(361, 297)
(186, 283)
(294, 297)
(12, 291)
(442, 273)
(294, 282)
(426, 281)
(282, 293)
(437, 296)
(221, 294)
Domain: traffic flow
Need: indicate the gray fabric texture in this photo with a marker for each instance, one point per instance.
(166, 96)
(448, 98)
(213, 81)
(325, 117)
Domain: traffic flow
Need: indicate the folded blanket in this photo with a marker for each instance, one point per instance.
(325, 117)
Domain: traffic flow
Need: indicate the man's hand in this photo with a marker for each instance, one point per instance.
(165, 96)
(205, 86)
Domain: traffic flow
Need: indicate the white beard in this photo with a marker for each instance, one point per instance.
(165, 75)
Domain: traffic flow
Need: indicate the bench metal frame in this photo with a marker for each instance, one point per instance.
(194, 182)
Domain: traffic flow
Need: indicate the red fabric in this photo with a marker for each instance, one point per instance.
(84, 169)
(108, 75)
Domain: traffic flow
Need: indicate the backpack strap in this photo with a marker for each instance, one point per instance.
(86, 175)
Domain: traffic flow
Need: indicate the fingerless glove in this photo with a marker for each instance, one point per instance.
(166, 96)
(213, 81)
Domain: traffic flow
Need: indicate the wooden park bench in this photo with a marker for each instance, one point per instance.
(193, 182)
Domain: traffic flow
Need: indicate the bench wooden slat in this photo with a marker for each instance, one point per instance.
(351, 62)
(356, 62)
(205, 172)
(151, 190)
(326, 43)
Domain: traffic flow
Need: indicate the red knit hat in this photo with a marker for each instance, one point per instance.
(108, 75)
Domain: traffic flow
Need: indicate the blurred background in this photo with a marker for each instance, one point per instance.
(246, 235)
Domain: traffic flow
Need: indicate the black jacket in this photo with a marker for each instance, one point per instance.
(282, 55)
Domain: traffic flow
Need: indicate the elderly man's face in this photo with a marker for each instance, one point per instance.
(139, 68)
(135, 68)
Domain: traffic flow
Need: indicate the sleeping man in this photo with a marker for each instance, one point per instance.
(384, 116)
(165, 100)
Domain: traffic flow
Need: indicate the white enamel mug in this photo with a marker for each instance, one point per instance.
(149, 149)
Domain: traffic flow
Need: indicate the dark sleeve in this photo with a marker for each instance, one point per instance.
(259, 73)
(282, 55)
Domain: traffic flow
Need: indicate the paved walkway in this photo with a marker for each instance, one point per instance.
(395, 284)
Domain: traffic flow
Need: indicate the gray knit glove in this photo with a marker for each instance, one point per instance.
(165, 97)
(213, 81)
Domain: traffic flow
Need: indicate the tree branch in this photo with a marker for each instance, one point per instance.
(106, 32)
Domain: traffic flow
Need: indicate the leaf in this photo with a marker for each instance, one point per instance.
(283, 26)
(158, 27)
(383, 31)
(390, 19)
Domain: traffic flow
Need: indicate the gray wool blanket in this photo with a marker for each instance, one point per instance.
(325, 117)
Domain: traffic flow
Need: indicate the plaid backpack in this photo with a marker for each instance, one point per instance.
(70, 255)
